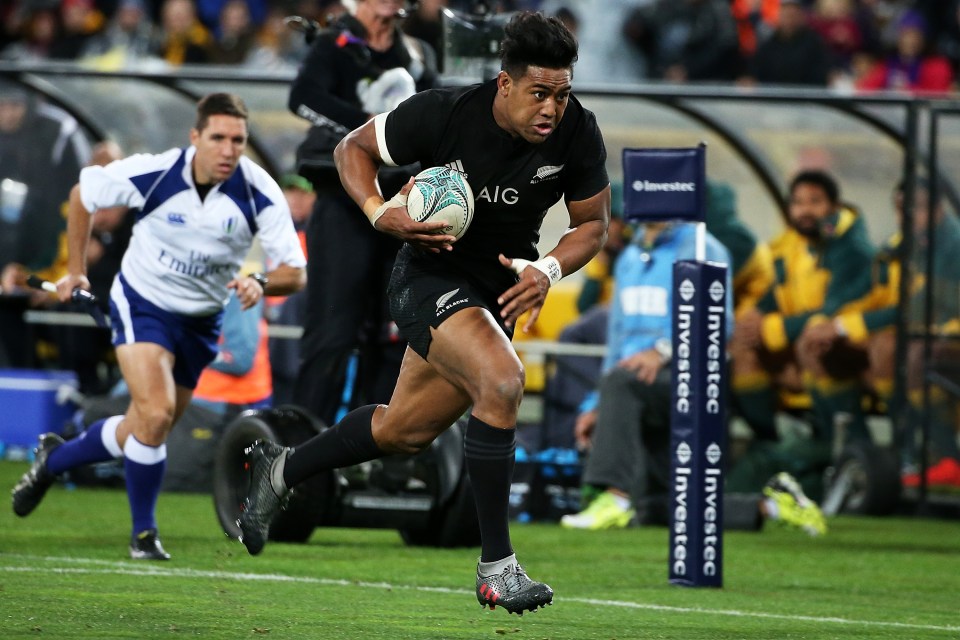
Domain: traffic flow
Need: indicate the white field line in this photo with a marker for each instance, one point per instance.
(109, 567)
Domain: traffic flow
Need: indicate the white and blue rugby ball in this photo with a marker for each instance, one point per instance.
(440, 193)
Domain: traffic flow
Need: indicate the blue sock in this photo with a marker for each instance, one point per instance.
(144, 467)
(97, 444)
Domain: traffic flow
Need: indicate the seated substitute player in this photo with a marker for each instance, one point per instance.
(867, 331)
(821, 263)
(199, 210)
(523, 142)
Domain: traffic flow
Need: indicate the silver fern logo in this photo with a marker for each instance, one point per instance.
(442, 300)
(547, 172)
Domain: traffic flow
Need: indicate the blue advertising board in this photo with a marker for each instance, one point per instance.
(664, 184)
(697, 423)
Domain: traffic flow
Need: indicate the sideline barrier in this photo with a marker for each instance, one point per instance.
(670, 184)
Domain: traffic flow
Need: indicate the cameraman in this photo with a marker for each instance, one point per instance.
(359, 66)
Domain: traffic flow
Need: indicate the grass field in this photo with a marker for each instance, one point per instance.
(65, 573)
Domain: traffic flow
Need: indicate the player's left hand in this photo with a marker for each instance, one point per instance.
(248, 290)
(397, 222)
(528, 294)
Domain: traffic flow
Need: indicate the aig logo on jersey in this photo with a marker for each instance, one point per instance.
(506, 196)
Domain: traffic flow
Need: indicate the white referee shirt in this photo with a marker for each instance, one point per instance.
(183, 251)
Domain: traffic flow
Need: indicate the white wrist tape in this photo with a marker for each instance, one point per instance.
(398, 200)
(549, 266)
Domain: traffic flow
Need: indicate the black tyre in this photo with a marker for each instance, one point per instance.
(454, 524)
(288, 426)
(453, 520)
(867, 480)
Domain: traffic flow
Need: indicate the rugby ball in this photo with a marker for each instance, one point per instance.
(440, 193)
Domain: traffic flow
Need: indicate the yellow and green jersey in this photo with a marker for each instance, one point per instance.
(815, 276)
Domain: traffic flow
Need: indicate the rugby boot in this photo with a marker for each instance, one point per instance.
(146, 546)
(604, 512)
(512, 589)
(793, 507)
(263, 502)
(33, 485)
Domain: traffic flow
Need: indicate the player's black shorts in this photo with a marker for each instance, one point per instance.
(423, 296)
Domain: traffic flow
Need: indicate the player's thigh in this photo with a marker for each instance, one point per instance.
(473, 353)
(424, 404)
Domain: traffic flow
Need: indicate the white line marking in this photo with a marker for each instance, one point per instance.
(155, 570)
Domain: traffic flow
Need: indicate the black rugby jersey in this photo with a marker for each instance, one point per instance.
(514, 182)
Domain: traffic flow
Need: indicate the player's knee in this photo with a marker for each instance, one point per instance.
(503, 392)
(155, 423)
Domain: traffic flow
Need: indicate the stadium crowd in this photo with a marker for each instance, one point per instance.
(845, 44)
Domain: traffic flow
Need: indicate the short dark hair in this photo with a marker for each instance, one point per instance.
(531, 38)
(219, 104)
(820, 179)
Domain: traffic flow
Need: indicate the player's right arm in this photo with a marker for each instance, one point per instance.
(358, 158)
(100, 187)
(79, 226)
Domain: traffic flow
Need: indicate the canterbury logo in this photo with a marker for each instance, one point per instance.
(547, 172)
(442, 300)
(456, 165)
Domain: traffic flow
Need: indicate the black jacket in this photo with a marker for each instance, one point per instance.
(325, 90)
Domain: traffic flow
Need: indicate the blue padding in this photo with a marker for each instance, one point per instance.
(664, 184)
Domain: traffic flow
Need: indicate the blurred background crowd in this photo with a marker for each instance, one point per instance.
(911, 45)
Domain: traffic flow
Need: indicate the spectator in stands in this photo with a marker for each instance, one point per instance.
(277, 47)
(625, 425)
(756, 21)
(182, 38)
(947, 37)
(795, 54)
(911, 67)
(81, 21)
(39, 30)
(210, 12)
(127, 40)
(235, 34)
(360, 66)
(606, 54)
(836, 22)
(687, 40)
(822, 263)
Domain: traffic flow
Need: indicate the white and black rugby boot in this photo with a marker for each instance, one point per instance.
(506, 584)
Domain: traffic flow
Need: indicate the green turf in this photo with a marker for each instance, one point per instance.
(64, 573)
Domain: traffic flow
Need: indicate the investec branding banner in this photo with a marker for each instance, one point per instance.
(664, 184)
(697, 426)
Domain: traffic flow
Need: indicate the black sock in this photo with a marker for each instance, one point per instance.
(347, 443)
(489, 455)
